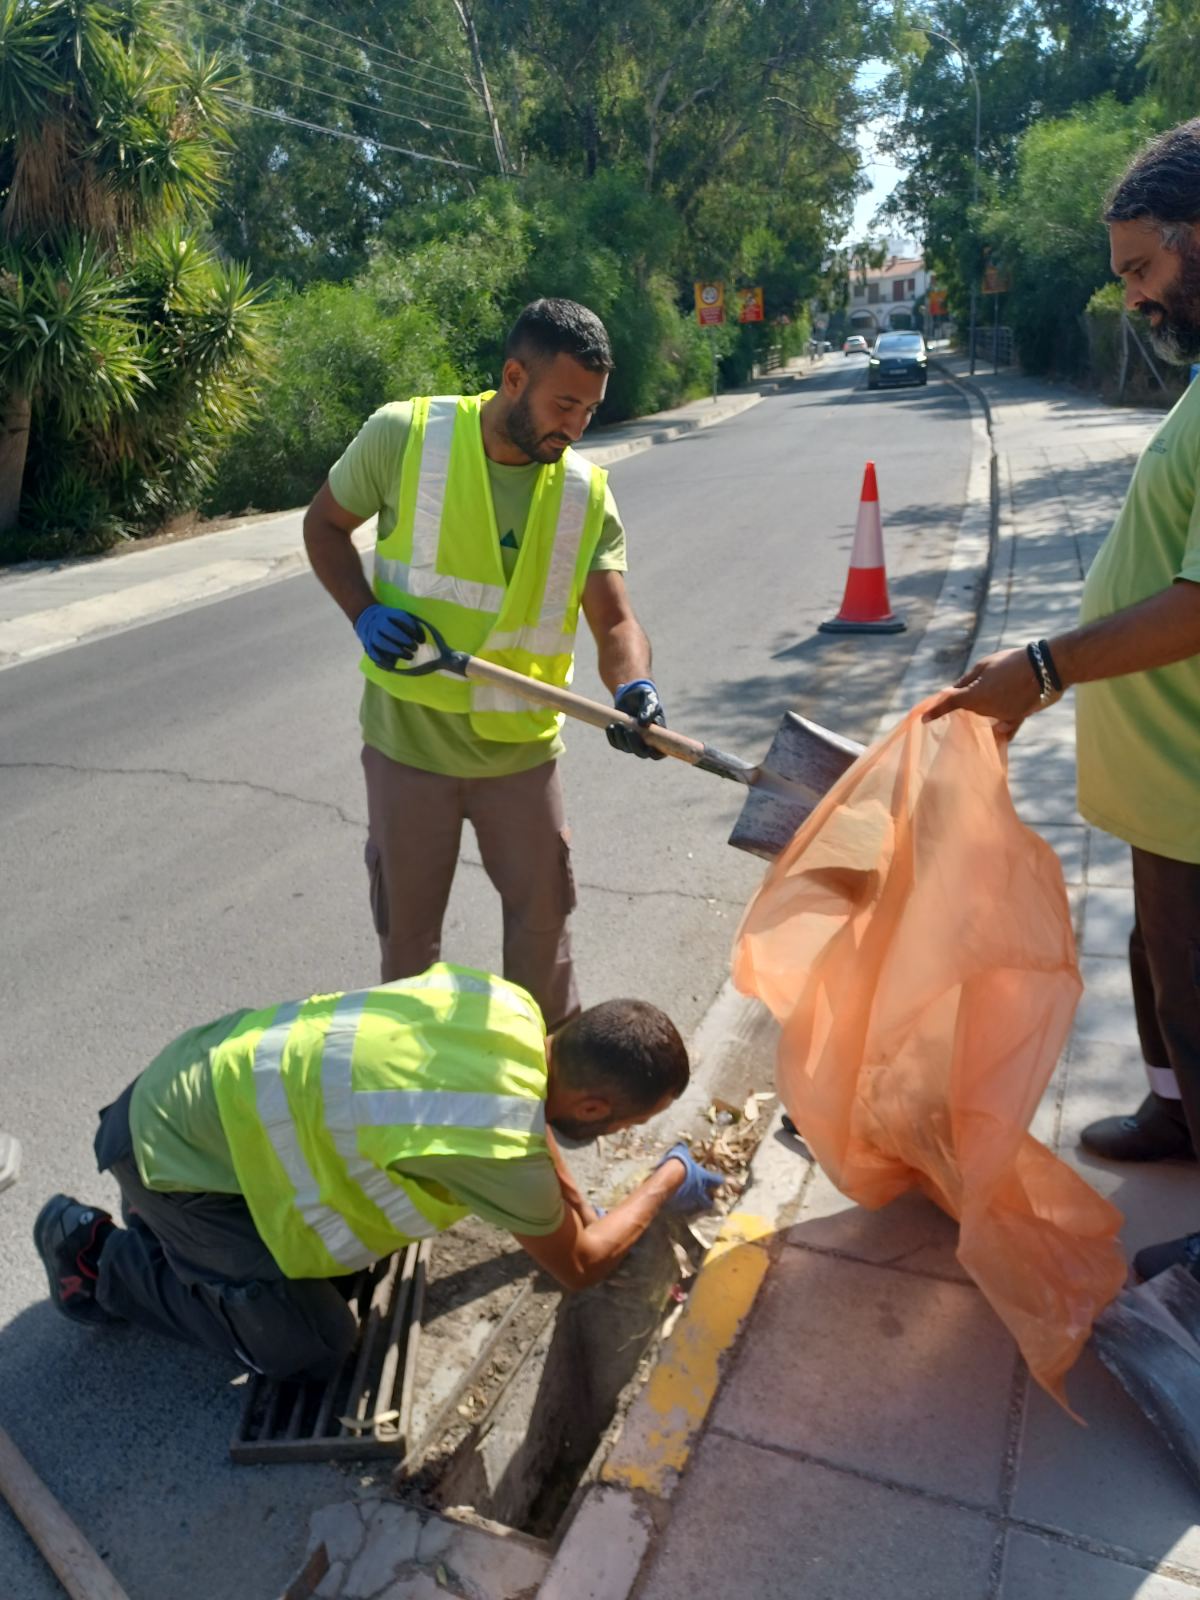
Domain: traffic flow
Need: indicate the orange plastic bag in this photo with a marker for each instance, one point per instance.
(914, 942)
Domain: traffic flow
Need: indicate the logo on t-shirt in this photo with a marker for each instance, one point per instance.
(509, 541)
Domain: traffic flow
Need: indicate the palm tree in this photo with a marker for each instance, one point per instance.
(112, 317)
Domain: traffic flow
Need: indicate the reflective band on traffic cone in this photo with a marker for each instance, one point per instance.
(865, 605)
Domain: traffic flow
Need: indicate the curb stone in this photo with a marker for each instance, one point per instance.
(729, 406)
(604, 1547)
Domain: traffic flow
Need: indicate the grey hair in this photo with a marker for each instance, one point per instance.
(1162, 185)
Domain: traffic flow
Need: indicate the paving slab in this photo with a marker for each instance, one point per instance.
(1109, 859)
(1107, 921)
(902, 1377)
(1106, 1009)
(1113, 1482)
(788, 1529)
(1069, 841)
(910, 1235)
(1043, 1569)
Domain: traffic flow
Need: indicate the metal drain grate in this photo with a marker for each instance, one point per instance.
(367, 1409)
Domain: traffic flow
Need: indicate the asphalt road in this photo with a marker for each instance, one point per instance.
(182, 833)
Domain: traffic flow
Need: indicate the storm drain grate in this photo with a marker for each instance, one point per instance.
(366, 1410)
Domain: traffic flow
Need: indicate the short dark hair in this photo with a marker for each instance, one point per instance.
(1162, 182)
(549, 328)
(626, 1050)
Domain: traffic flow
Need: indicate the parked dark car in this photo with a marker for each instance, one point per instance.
(897, 358)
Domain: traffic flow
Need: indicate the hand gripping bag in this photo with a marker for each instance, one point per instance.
(914, 943)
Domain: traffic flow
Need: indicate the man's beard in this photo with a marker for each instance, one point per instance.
(545, 448)
(1177, 337)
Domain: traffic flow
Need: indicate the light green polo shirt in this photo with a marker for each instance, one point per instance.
(365, 480)
(179, 1144)
(1138, 737)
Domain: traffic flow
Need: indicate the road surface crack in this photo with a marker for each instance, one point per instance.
(186, 777)
(358, 823)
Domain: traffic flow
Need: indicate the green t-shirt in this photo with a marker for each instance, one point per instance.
(179, 1144)
(365, 480)
(1138, 737)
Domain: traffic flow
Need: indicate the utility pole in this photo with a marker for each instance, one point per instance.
(485, 93)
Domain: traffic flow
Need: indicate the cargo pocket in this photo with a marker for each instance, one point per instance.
(377, 889)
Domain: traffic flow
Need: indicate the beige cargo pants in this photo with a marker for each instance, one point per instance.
(414, 822)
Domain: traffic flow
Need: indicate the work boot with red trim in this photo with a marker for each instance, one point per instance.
(69, 1237)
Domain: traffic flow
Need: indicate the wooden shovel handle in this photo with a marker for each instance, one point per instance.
(76, 1565)
(584, 710)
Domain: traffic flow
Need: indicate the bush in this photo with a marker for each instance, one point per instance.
(338, 355)
(189, 326)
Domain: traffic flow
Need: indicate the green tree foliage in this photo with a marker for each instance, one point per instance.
(642, 146)
(1047, 230)
(1172, 58)
(124, 343)
(732, 120)
(305, 203)
(431, 317)
(1034, 60)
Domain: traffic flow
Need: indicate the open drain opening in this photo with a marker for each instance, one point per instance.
(515, 1435)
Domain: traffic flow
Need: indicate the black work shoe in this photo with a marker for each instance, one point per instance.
(69, 1238)
(1150, 1134)
(1156, 1258)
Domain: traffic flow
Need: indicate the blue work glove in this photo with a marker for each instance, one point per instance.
(388, 634)
(638, 699)
(696, 1191)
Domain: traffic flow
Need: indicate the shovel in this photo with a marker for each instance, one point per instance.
(803, 762)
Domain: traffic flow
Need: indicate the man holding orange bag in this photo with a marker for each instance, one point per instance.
(1135, 663)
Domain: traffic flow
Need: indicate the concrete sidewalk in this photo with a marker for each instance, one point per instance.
(48, 606)
(839, 1414)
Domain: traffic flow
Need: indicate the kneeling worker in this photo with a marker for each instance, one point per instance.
(263, 1156)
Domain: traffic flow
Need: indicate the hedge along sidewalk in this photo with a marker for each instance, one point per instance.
(51, 606)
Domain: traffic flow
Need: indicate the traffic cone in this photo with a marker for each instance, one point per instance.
(865, 604)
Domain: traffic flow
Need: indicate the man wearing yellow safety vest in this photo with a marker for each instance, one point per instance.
(492, 529)
(265, 1156)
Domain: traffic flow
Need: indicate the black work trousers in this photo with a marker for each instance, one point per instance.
(1164, 964)
(194, 1267)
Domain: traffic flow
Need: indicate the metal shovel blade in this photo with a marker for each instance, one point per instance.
(805, 761)
(1149, 1339)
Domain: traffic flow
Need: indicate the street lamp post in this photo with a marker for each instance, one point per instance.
(936, 33)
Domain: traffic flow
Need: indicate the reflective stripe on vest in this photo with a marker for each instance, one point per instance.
(420, 576)
(543, 594)
(345, 1111)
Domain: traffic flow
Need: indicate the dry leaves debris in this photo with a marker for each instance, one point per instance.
(736, 1135)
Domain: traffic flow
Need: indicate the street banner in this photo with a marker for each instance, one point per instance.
(995, 280)
(936, 304)
(750, 305)
(710, 303)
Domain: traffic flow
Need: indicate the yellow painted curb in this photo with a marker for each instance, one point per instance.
(663, 1423)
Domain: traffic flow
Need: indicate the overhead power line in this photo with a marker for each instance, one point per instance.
(376, 111)
(354, 138)
(373, 72)
(314, 22)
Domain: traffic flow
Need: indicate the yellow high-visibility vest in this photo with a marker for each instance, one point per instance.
(320, 1099)
(442, 561)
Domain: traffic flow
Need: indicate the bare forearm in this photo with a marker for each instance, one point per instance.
(612, 1236)
(623, 654)
(337, 564)
(1155, 633)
